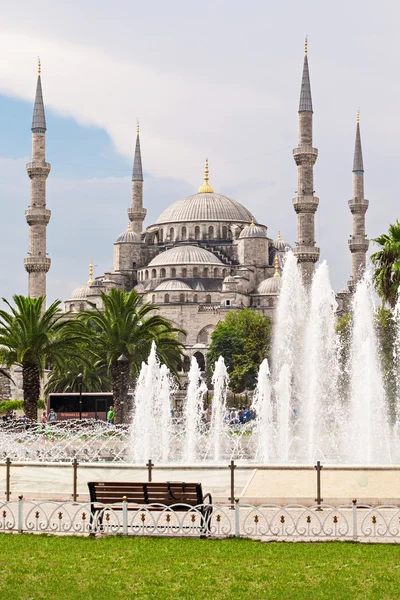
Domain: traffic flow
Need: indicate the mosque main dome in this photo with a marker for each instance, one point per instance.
(205, 207)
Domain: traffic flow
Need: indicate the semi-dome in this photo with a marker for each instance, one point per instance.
(281, 245)
(252, 231)
(272, 285)
(173, 285)
(129, 236)
(185, 255)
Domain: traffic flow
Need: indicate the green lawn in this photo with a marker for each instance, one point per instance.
(34, 567)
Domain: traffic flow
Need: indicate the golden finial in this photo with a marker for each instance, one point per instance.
(276, 263)
(252, 224)
(306, 45)
(39, 66)
(358, 115)
(129, 227)
(206, 187)
(90, 273)
(137, 127)
(279, 236)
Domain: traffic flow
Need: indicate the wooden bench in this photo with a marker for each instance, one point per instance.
(153, 496)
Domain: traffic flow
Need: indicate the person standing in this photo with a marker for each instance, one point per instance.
(110, 416)
(52, 416)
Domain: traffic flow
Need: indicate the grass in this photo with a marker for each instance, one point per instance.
(37, 567)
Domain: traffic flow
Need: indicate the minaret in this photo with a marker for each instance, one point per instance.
(37, 215)
(305, 203)
(137, 213)
(358, 243)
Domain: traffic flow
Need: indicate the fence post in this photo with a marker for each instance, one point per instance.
(20, 515)
(318, 499)
(237, 518)
(232, 467)
(354, 509)
(8, 478)
(149, 466)
(75, 465)
(125, 515)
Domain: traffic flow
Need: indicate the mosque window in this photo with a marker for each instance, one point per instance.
(203, 336)
(146, 275)
(81, 306)
(216, 272)
(153, 299)
(211, 232)
(171, 234)
(197, 233)
(195, 298)
(161, 235)
(181, 297)
(224, 273)
(183, 234)
(173, 272)
(225, 233)
(195, 272)
(200, 359)
(270, 302)
(153, 273)
(208, 299)
(71, 306)
(166, 298)
(162, 273)
(229, 234)
(184, 272)
(205, 272)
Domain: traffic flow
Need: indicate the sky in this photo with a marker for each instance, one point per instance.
(217, 79)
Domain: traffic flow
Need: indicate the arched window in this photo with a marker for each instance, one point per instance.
(184, 272)
(71, 306)
(211, 232)
(153, 299)
(166, 298)
(173, 272)
(195, 271)
(81, 306)
(205, 272)
(270, 302)
(183, 233)
(162, 273)
(146, 274)
(229, 234)
(216, 272)
(224, 233)
(200, 360)
(202, 338)
(171, 234)
(161, 235)
(208, 299)
(181, 297)
(197, 233)
(153, 273)
(224, 273)
(195, 298)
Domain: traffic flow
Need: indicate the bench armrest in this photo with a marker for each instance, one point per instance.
(207, 496)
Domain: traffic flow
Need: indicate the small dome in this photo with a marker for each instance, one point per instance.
(129, 236)
(80, 293)
(281, 245)
(173, 285)
(185, 255)
(230, 279)
(253, 231)
(272, 285)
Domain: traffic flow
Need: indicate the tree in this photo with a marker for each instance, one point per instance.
(65, 379)
(125, 328)
(244, 340)
(32, 338)
(386, 261)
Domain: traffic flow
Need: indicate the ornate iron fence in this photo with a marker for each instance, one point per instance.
(357, 522)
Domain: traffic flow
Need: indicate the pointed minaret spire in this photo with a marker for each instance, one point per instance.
(39, 119)
(137, 213)
(305, 203)
(358, 243)
(305, 92)
(37, 215)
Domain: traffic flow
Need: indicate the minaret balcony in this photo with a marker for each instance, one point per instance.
(305, 155)
(358, 207)
(37, 264)
(358, 243)
(36, 216)
(305, 204)
(137, 214)
(38, 169)
(307, 253)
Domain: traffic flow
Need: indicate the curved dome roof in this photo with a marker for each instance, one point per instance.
(185, 255)
(80, 293)
(272, 285)
(281, 245)
(205, 207)
(129, 236)
(173, 285)
(253, 231)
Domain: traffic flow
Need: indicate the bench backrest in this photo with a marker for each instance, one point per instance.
(168, 493)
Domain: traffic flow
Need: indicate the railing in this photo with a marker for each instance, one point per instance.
(355, 522)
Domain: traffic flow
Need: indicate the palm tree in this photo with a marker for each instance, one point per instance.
(65, 379)
(33, 338)
(387, 264)
(125, 330)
